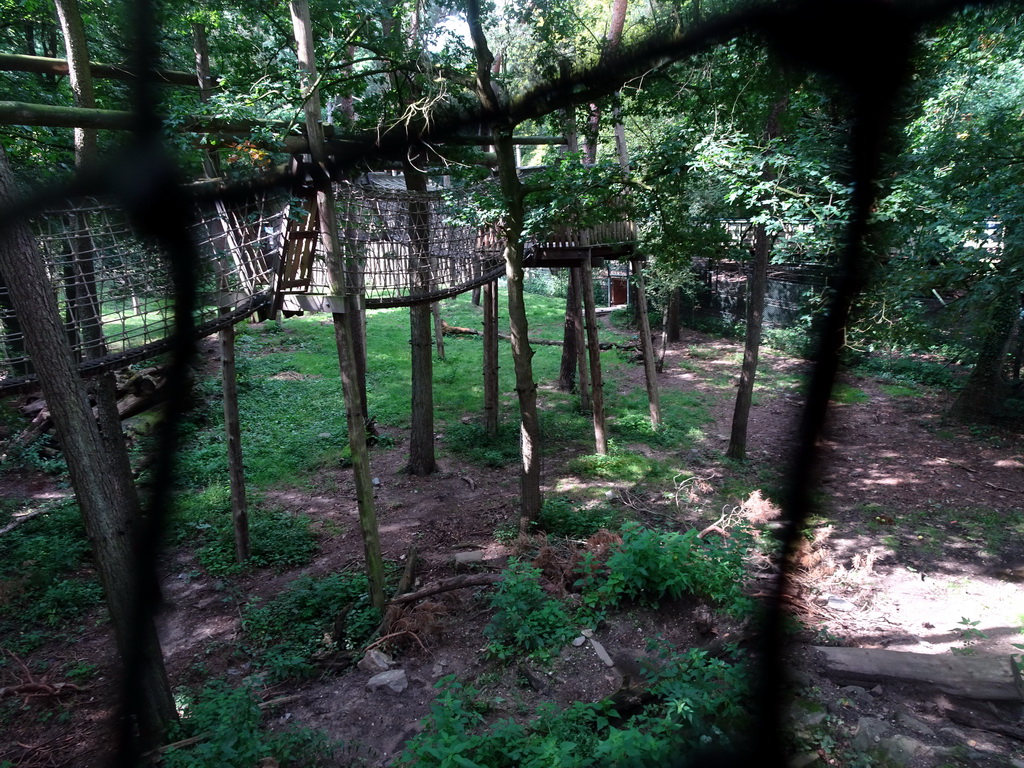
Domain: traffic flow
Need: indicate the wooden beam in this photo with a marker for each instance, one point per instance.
(971, 677)
(23, 113)
(13, 62)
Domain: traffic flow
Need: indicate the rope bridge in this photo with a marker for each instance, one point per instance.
(113, 287)
(401, 248)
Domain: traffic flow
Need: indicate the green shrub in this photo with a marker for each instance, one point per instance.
(910, 370)
(699, 701)
(285, 634)
(560, 517)
(651, 564)
(472, 442)
(526, 619)
(227, 722)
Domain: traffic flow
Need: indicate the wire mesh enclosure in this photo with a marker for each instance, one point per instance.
(113, 286)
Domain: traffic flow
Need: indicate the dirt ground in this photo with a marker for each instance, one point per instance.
(920, 534)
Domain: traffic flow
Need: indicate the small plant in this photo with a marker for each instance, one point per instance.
(226, 723)
(650, 564)
(287, 633)
(560, 517)
(969, 635)
(526, 619)
(472, 442)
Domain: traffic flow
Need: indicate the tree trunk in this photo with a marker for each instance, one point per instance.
(647, 345)
(422, 460)
(755, 311)
(594, 350)
(987, 389)
(475, 297)
(672, 317)
(512, 198)
(752, 345)
(111, 519)
(576, 277)
(342, 330)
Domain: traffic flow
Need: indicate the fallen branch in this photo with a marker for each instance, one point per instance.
(447, 585)
(1001, 488)
(159, 751)
(21, 519)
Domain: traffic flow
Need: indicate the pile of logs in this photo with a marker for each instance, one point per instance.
(137, 392)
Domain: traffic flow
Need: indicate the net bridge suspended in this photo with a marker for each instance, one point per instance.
(115, 294)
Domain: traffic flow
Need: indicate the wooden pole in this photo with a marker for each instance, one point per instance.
(490, 306)
(647, 345)
(576, 277)
(303, 30)
(225, 338)
(594, 350)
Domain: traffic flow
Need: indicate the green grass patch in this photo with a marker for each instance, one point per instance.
(619, 465)
(470, 441)
(844, 394)
(564, 518)
(900, 390)
(226, 726)
(284, 635)
(277, 539)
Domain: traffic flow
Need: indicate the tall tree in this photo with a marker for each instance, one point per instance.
(513, 197)
(111, 521)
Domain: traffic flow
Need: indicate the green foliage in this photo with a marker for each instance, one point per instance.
(40, 569)
(471, 442)
(700, 703)
(284, 634)
(848, 395)
(227, 722)
(561, 517)
(526, 619)
(652, 564)
(276, 538)
(910, 370)
(618, 465)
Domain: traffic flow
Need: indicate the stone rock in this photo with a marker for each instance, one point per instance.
(375, 661)
(808, 718)
(915, 725)
(839, 604)
(902, 749)
(438, 670)
(869, 733)
(472, 556)
(394, 680)
(579, 641)
(602, 654)
(804, 760)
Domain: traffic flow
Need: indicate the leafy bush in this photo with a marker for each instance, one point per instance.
(276, 538)
(286, 633)
(650, 564)
(526, 619)
(472, 442)
(227, 720)
(911, 370)
(560, 517)
(700, 703)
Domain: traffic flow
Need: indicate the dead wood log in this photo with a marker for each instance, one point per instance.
(969, 677)
(447, 585)
(963, 716)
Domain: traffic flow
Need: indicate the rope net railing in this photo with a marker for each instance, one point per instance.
(114, 288)
(400, 247)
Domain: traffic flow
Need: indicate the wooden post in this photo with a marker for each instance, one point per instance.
(233, 432)
(435, 310)
(576, 277)
(647, 345)
(490, 306)
(594, 350)
(342, 330)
